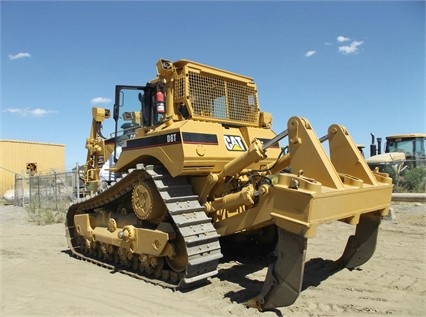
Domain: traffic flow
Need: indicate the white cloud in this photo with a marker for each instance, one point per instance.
(352, 48)
(100, 100)
(24, 112)
(38, 112)
(310, 53)
(342, 39)
(19, 55)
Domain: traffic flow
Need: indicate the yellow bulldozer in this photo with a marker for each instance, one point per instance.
(193, 165)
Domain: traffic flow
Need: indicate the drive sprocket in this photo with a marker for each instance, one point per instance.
(147, 203)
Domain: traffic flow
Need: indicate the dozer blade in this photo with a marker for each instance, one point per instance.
(361, 246)
(284, 279)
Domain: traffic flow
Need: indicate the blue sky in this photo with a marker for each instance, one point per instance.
(360, 64)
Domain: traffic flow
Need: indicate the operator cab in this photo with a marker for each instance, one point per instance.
(412, 145)
(135, 107)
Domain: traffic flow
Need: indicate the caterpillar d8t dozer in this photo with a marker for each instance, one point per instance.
(193, 166)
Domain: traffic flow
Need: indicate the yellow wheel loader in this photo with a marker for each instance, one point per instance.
(193, 163)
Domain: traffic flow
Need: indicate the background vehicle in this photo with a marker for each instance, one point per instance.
(196, 169)
(404, 159)
(402, 149)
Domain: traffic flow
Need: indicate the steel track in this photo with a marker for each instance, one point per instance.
(200, 237)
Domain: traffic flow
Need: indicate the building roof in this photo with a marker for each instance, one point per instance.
(31, 142)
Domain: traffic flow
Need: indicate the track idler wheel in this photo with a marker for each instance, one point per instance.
(179, 260)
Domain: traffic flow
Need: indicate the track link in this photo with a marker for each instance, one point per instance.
(200, 237)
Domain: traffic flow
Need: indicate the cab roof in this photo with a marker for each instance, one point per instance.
(406, 136)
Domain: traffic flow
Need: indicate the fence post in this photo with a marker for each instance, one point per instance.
(30, 196)
(23, 189)
(56, 190)
(38, 191)
(77, 181)
(15, 189)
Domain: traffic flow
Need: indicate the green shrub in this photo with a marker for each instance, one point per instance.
(45, 216)
(410, 180)
(413, 180)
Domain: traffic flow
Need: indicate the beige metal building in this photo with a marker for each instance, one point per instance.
(23, 157)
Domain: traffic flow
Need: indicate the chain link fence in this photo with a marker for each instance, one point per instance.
(54, 191)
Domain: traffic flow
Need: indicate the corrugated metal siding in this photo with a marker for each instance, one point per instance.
(14, 155)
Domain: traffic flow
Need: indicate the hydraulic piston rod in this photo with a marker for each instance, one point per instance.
(276, 139)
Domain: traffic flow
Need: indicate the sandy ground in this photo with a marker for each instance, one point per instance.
(39, 278)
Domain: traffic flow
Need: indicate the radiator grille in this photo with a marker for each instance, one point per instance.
(218, 99)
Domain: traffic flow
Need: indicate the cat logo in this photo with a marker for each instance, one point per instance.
(234, 143)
